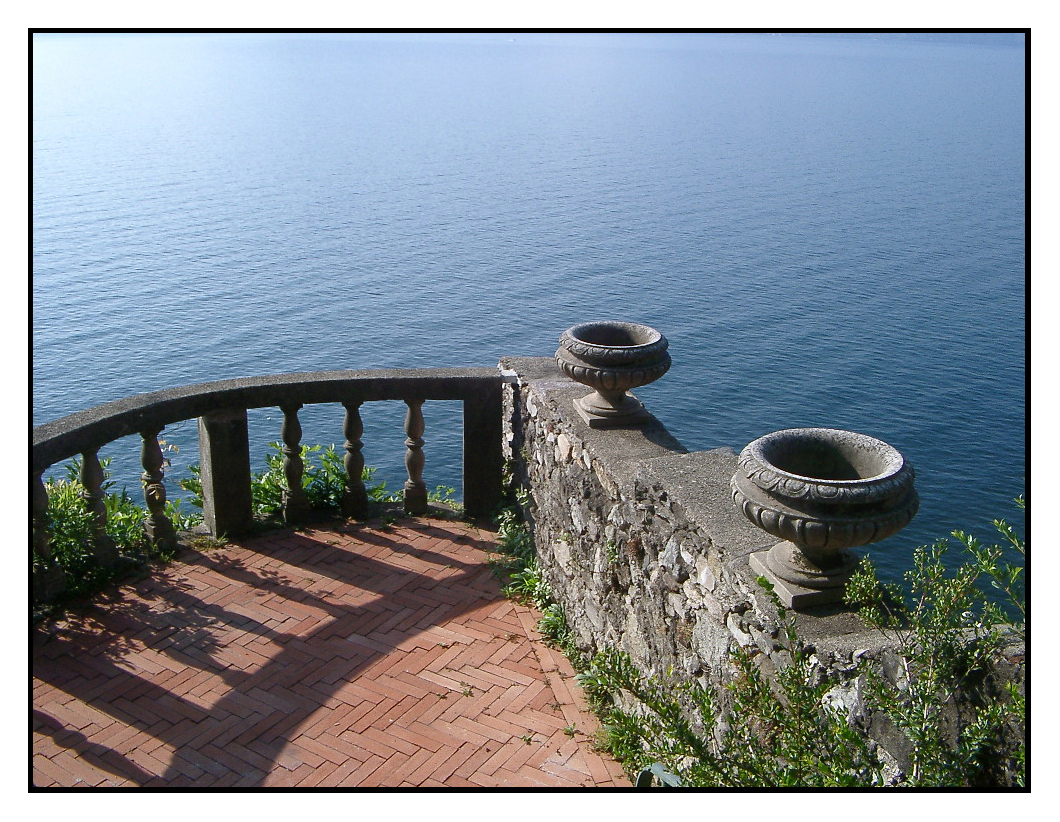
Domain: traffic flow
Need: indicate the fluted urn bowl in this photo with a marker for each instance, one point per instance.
(612, 358)
(822, 491)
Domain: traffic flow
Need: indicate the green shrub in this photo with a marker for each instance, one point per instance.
(528, 585)
(949, 636)
(785, 732)
(445, 495)
(71, 530)
(515, 546)
(324, 482)
(516, 565)
(786, 735)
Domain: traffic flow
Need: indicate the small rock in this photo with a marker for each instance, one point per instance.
(678, 604)
(563, 448)
(737, 632)
(704, 576)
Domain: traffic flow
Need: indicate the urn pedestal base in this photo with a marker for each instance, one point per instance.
(598, 413)
(823, 491)
(798, 583)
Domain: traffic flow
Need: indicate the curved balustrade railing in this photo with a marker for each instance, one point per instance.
(221, 409)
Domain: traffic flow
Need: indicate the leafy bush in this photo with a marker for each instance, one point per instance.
(71, 525)
(784, 735)
(515, 546)
(324, 483)
(948, 637)
(71, 528)
(444, 495)
(528, 585)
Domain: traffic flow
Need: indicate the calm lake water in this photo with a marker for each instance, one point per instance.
(828, 229)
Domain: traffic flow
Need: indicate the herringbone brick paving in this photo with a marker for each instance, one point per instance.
(353, 656)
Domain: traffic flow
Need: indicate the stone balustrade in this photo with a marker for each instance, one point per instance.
(639, 540)
(221, 410)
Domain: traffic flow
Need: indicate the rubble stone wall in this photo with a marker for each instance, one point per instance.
(640, 539)
(646, 552)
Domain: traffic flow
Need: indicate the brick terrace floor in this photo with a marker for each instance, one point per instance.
(354, 656)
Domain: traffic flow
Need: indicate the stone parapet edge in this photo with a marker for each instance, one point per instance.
(646, 551)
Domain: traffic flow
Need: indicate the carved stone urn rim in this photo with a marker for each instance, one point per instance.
(862, 492)
(894, 477)
(574, 341)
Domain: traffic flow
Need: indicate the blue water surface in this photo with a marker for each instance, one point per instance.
(828, 229)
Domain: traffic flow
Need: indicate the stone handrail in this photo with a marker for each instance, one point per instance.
(224, 444)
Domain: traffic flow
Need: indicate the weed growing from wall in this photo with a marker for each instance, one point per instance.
(786, 732)
(515, 546)
(949, 637)
(783, 734)
(516, 566)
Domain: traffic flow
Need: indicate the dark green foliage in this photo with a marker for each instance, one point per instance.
(70, 528)
(323, 481)
(783, 731)
(950, 636)
(553, 627)
(515, 546)
(657, 771)
(781, 736)
(527, 585)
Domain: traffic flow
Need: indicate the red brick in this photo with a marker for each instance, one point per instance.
(449, 680)
(389, 774)
(147, 761)
(319, 774)
(283, 778)
(197, 759)
(307, 745)
(66, 716)
(47, 771)
(536, 721)
(385, 744)
(419, 735)
(445, 770)
(337, 638)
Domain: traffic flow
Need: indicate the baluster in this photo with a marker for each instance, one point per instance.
(295, 501)
(102, 546)
(355, 499)
(48, 578)
(415, 489)
(157, 525)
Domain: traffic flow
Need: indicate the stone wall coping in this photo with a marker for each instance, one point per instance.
(697, 482)
(615, 447)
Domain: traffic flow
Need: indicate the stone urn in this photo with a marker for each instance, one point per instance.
(823, 491)
(612, 358)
